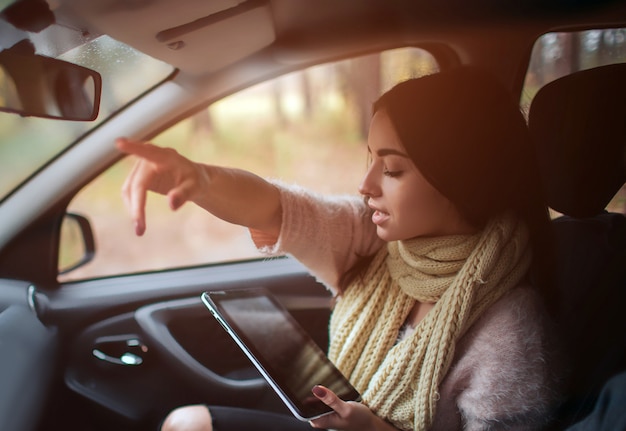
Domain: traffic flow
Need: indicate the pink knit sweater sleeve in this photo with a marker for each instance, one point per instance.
(503, 376)
(325, 233)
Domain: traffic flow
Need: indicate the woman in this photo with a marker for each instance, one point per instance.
(435, 323)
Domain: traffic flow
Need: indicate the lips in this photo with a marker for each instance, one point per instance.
(379, 216)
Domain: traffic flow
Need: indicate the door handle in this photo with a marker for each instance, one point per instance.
(120, 350)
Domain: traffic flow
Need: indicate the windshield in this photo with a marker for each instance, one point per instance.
(28, 143)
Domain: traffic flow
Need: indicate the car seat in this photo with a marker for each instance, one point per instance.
(578, 123)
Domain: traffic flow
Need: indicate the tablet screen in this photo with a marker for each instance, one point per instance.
(285, 354)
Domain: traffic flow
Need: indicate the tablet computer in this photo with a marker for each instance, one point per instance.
(285, 355)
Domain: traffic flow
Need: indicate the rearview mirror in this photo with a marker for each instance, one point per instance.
(38, 86)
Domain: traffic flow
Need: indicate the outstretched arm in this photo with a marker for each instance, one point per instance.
(233, 195)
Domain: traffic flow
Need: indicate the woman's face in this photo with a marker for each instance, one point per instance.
(405, 204)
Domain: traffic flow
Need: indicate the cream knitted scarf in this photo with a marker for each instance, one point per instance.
(463, 274)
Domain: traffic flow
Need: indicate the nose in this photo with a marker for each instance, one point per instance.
(369, 185)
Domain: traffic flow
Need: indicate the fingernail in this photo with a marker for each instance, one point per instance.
(319, 391)
(139, 228)
(174, 202)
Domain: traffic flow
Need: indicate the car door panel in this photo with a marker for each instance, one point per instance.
(184, 355)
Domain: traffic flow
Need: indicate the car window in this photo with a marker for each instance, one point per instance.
(558, 54)
(307, 127)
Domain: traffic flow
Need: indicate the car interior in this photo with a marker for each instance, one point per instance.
(92, 340)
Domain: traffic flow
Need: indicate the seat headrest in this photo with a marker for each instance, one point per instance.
(578, 123)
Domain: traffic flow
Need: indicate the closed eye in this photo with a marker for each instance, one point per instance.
(392, 174)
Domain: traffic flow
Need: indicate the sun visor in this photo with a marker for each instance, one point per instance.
(197, 37)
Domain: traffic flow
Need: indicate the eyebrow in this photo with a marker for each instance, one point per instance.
(388, 152)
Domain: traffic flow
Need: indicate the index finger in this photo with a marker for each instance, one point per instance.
(329, 398)
(134, 196)
(141, 149)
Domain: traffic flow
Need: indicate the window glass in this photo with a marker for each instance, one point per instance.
(307, 128)
(559, 54)
(28, 143)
